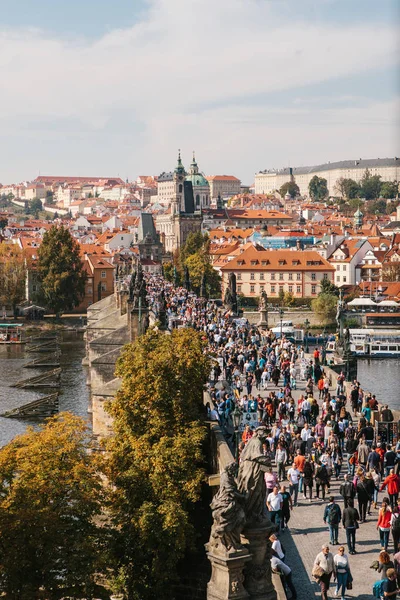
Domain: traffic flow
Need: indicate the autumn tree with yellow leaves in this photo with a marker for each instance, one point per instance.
(12, 275)
(155, 458)
(50, 494)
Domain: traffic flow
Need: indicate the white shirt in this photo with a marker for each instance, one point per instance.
(276, 545)
(275, 501)
(279, 565)
(293, 475)
(305, 434)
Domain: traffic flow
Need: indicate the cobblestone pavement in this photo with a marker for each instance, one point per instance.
(307, 532)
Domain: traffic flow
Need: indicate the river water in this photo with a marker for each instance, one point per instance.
(381, 377)
(74, 393)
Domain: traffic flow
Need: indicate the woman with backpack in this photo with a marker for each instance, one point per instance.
(308, 478)
(384, 563)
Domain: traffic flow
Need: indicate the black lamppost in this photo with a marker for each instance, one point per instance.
(237, 417)
(307, 325)
(281, 313)
(323, 357)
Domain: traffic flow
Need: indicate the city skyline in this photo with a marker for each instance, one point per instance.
(247, 85)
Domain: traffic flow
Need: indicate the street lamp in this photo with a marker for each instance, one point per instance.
(323, 357)
(281, 313)
(307, 325)
(237, 417)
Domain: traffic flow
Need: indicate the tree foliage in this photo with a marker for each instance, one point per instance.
(34, 207)
(391, 271)
(347, 188)
(61, 270)
(370, 186)
(12, 274)
(155, 457)
(195, 255)
(318, 188)
(324, 307)
(390, 189)
(49, 495)
(328, 287)
(289, 187)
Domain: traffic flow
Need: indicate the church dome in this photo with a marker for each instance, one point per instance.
(197, 179)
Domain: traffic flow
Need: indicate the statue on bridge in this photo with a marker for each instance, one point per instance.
(339, 317)
(227, 511)
(230, 298)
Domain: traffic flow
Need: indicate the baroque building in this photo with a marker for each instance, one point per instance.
(180, 218)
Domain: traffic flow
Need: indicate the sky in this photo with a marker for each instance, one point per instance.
(101, 88)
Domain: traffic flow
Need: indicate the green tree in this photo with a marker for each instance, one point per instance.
(389, 189)
(61, 270)
(288, 299)
(355, 203)
(169, 271)
(377, 206)
(327, 287)
(347, 188)
(318, 188)
(12, 275)
(155, 457)
(289, 187)
(3, 222)
(370, 186)
(34, 207)
(199, 265)
(50, 492)
(324, 306)
(194, 242)
(281, 296)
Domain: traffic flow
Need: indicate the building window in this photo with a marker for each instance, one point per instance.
(239, 288)
(313, 289)
(252, 289)
(290, 289)
(252, 276)
(239, 276)
(180, 188)
(337, 277)
(281, 276)
(313, 277)
(344, 278)
(325, 276)
(272, 289)
(290, 276)
(298, 277)
(90, 290)
(337, 267)
(103, 274)
(272, 276)
(261, 276)
(298, 289)
(261, 288)
(103, 287)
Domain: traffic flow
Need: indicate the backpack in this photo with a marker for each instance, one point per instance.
(333, 515)
(396, 525)
(377, 588)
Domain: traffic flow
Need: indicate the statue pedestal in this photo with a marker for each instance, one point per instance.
(227, 577)
(258, 581)
(263, 320)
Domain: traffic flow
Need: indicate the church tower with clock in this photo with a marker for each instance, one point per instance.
(175, 191)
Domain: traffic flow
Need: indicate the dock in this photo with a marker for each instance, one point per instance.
(48, 361)
(50, 379)
(43, 407)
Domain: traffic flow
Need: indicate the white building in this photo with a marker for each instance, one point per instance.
(347, 261)
(268, 181)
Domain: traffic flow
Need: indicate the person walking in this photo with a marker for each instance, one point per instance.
(395, 527)
(341, 571)
(332, 516)
(278, 566)
(347, 490)
(392, 481)
(287, 506)
(280, 459)
(364, 495)
(293, 476)
(308, 478)
(324, 560)
(383, 524)
(389, 586)
(350, 523)
(274, 505)
(321, 480)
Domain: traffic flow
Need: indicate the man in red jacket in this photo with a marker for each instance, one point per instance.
(392, 482)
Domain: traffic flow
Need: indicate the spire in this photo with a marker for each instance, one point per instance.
(179, 167)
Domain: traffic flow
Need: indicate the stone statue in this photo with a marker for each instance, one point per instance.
(230, 298)
(263, 301)
(132, 286)
(187, 279)
(203, 291)
(117, 269)
(253, 464)
(227, 511)
(176, 279)
(162, 313)
(339, 316)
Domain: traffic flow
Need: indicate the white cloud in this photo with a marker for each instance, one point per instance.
(183, 55)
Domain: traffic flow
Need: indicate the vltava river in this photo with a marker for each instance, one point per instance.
(74, 396)
(381, 377)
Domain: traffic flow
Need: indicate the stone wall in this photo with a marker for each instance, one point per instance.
(297, 317)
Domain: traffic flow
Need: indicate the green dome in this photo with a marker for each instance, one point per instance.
(197, 179)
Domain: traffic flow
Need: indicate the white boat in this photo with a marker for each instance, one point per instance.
(287, 330)
(375, 343)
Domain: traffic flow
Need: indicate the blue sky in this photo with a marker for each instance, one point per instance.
(115, 88)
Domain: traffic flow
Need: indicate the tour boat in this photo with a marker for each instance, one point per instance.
(375, 343)
(11, 333)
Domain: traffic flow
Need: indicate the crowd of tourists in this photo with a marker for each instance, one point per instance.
(324, 435)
